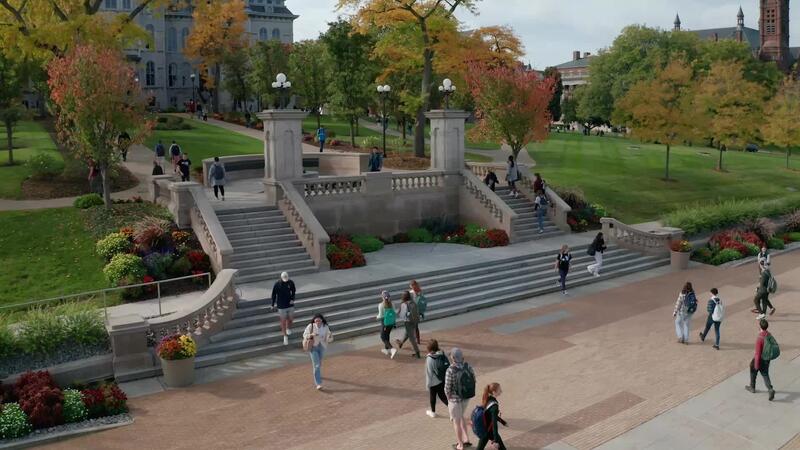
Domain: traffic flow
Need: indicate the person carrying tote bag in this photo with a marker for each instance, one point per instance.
(316, 338)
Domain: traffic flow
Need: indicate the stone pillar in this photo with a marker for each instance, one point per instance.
(283, 148)
(128, 336)
(447, 139)
(182, 202)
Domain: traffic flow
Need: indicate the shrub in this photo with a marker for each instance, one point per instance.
(440, 226)
(572, 196)
(124, 266)
(420, 235)
(342, 253)
(30, 382)
(41, 399)
(498, 238)
(172, 123)
(180, 267)
(40, 332)
(704, 217)
(793, 237)
(44, 166)
(113, 244)
(8, 341)
(176, 346)
(157, 264)
(13, 422)
(199, 260)
(703, 254)
(793, 221)
(752, 249)
(763, 228)
(84, 325)
(367, 244)
(74, 408)
(400, 238)
(180, 237)
(87, 201)
(479, 240)
(726, 255)
(116, 402)
(776, 243)
(152, 233)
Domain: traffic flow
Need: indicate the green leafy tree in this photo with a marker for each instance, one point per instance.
(589, 109)
(781, 117)
(235, 68)
(12, 76)
(267, 59)
(310, 66)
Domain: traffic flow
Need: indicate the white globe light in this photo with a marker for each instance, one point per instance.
(281, 78)
(441, 89)
(447, 83)
(275, 84)
(288, 84)
(387, 88)
(380, 88)
(453, 88)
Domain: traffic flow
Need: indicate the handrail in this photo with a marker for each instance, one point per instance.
(209, 231)
(498, 209)
(305, 224)
(654, 242)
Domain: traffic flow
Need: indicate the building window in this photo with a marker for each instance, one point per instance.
(184, 37)
(172, 74)
(152, 32)
(276, 34)
(262, 34)
(150, 73)
(126, 4)
(172, 40)
(111, 4)
(186, 71)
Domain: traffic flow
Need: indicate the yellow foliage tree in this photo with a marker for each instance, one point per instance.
(782, 112)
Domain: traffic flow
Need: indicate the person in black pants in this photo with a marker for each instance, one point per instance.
(492, 417)
(759, 364)
(185, 165)
(562, 266)
(434, 376)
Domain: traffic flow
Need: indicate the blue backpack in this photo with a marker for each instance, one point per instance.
(691, 303)
(481, 426)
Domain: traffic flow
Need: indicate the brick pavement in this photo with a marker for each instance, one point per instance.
(609, 366)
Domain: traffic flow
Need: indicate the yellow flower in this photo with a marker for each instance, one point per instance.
(189, 346)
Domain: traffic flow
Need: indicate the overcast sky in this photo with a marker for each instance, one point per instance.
(552, 29)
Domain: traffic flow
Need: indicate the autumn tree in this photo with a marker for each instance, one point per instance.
(218, 31)
(310, 68)
(98, 99)
(660, 110)
(12, 76)
(268, 59)
(425, 15)
(511, 105)
(781, 117)
(558, 90)
(733, 107)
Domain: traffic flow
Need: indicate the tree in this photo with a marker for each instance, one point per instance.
(350, 88)
(781, 117)
(98, 99)
(218, 31)
(267, 59)
(589, 109)
(424, 14)
(512, 105)
(235, 68)
(11, 79)
(558, 91)
(660, 110)
(310, 66)
(732, 105)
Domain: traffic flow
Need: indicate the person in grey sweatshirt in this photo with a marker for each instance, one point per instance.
(436, 364)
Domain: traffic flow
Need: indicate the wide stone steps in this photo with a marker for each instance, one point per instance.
(254, 330)
(526, 227)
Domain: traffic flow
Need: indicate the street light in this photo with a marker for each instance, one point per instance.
(282, 85)
(383, 92)
(447, 88)
(194, 105)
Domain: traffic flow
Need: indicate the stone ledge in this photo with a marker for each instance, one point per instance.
(85, 370)
(68, 430)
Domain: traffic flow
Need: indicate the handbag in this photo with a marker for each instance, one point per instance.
(308, 344)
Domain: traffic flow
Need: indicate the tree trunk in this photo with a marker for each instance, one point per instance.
(9, 137)
(666, 175)
(403, 125)
(719, 164)
(427, 76)
(352, 132)
(788, 154)
(106, 185)
(319, 120)
(217, 81)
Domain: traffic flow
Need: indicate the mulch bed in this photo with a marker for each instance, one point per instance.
(70, 187)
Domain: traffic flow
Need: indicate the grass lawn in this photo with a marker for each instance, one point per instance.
(206, 141)
(626, 177)
(477, 158)
(30, 138)
(341, 127)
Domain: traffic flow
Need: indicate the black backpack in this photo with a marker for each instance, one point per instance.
(412, 314)
(441, 363)
(690, 301)
(219, 173)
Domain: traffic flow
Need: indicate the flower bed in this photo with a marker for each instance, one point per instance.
(35, 402)
(731, 245)
(343, 253)
(584, 215)
(710, 217)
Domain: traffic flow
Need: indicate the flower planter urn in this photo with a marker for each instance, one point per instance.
(679, 260)
(178, 372)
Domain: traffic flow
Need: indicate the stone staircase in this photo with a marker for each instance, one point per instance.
(264, 245)
(526, 227)
(254, 330)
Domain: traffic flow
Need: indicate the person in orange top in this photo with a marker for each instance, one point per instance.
(758, 364)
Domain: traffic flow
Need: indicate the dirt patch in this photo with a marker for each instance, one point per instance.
(407, 163)
(59, 187)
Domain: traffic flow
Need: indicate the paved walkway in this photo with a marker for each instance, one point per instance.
(251, 132)
(577, 373)
(140, 163)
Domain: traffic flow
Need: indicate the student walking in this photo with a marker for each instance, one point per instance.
(157, 170)
(283, 292)
(512, 176)
(596, 249)
(490, 418)
(766, 286)
(422, 303)
(715, 314)
(321, 136)
(491, 180)
(540, 204)
(562, 267)
(216, 177)
(538, 183)
(685, 306)
(459, 387)
(387, 316)
(160, 152)
(436, 364)
(185, 165)
(175, 154)
(409, 315)
(375, 160)
(316, 338)
(766, 350)
(763, 259)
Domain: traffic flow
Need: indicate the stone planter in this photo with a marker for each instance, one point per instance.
(179, 372)
(679, 260)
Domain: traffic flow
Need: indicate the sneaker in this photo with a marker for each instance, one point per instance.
(319, 387)
(750, 389)
(761, 316)
(288, 332)
(771, 311)
(398, 343)
(564, 292)
(223, 199)
(702, 338)
(754, 310)
(541, 231)
(680, 340)
(430, 414)
(716, 347)
(771, 394)
(596, 274)
(285, 340)
(385, 351)
(591, 272)
(392, 352)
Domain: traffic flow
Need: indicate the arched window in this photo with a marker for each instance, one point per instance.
(150, 73)
(276, 34)
(184, 37)
(172, 74)
(172, 39)
(262, 34)
(152, 32)
(186, 71)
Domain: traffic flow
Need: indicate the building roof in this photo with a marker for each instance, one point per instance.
(751, 36)
(276, 10)
(577, 63)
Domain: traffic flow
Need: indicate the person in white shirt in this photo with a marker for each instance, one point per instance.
(763, 259)
(387, 316)
(316, 337)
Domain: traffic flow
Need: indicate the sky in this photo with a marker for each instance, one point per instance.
(552, 29)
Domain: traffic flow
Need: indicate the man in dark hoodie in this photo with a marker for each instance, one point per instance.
(283, 294)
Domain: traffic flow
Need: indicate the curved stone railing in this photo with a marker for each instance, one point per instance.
(654, 242)
(321, 187)
(420, 180)
(305, 225)
(490, 208)
(209, 231)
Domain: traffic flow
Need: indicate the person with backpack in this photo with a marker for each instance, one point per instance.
(436, 364)
(160, 152)
(486, 418)
(766, 350)
(459, 387)
(766, 285)
(562, 267)
(216, 177)
(283, 292)
(512, 176)
(387, 316)
(763, 259)
(375, 162)
(410, 314)
(175, 154)
(715, 314)
(321, 136)
(596, 249)
(316, 338)
(538, 183)
(685, 306)
(540, 204)
(491, 180)
(422, 303)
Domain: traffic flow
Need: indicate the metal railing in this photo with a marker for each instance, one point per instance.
(104, 293)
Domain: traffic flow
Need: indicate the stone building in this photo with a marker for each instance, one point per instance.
(575, 72)
(163, 70)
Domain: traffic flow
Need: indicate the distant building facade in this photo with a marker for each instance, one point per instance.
(575, 72)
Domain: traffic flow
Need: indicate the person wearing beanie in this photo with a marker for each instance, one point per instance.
(283, 294)
(459, 387)
(387, 316)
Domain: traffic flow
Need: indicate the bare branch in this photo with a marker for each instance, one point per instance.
(58, 11)
(137, 10)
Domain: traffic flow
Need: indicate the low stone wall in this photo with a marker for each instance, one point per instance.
(81, 371)
(329, 164)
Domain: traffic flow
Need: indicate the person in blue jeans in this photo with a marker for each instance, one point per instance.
(540, 206)
(713, 319)
(321, 136)
(316, 338)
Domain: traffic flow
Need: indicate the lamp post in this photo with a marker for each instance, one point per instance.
(282, 85)
(194, 105)
(447, 88)
(383, 92)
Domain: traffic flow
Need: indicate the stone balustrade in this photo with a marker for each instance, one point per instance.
(305, 225)
(331, 186)
(654, 242)
(481, 205)
(417, 180)
(209, 231)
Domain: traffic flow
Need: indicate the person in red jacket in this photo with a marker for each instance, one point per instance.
(760, 365)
